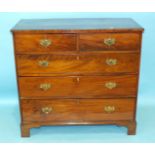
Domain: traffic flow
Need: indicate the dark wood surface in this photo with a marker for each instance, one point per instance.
(75, 66)
(78, 24)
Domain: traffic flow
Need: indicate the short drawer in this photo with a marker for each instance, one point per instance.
(44, 43)
(73, 110)
(109, 41)
(81, 87)
(36, 65)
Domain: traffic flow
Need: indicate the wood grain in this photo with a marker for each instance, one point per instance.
(83, 63)
(83, 110)
(77, 72)
(79, 87)
(30, 43)
(123, 41)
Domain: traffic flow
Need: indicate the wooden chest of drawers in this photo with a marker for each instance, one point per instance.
(77, 71)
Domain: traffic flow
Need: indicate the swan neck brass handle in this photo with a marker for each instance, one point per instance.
(109, 109)
(110, 85)
(109, 41)
(45, 86)
(46, 110)
(111, 62)
(45, 42)
(43, 63)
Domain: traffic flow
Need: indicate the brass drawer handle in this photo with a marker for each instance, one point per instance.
(46, 110)
(109, 41)
(110, 85)
(111, 62)
(43, 63)
(45, 42)
(109, 109)
(45, 86)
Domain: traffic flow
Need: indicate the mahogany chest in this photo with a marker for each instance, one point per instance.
(77, 72)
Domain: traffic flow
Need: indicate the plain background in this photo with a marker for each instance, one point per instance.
(9, 112)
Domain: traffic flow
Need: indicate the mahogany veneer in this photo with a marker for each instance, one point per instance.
(28, 43)
(124, 41)
(77, 72)
(75, 64)
(78, 87)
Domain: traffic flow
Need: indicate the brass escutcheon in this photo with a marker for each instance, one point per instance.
(45, 42)
(109, 109)
(110, 85)
(111, 62)
(109, 41)
(43, 63)
(46, 110)
(45, 86)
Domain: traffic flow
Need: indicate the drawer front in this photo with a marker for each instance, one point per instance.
(29, 65)
(109, 41)
(86, 86)
(72, 110)
(44, 43)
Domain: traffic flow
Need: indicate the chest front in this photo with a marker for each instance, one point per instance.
(77, 76)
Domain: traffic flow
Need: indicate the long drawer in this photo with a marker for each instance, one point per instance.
(109, 41)
(44, 43)
(31, 65)
(82, 86)
(73, 111)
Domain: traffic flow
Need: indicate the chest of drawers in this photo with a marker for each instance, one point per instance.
(77, 72)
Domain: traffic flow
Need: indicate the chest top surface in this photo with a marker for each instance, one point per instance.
(74, 25)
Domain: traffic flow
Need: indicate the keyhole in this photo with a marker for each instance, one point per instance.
(78, 79)
(77, 58)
